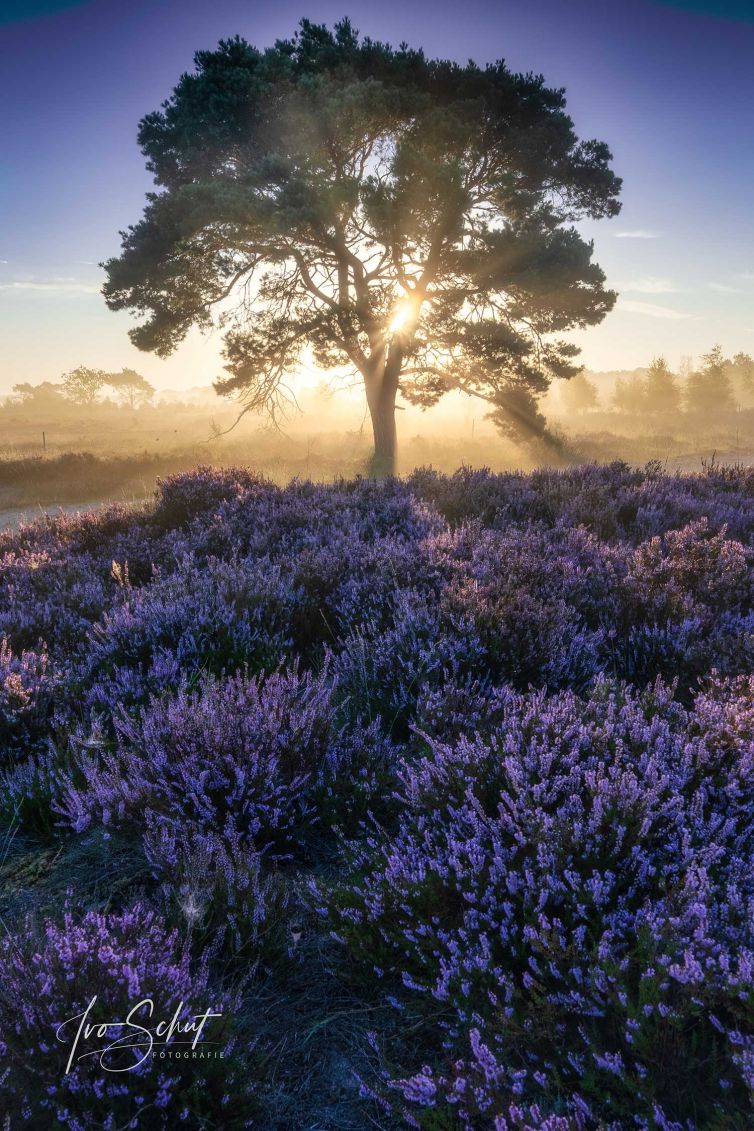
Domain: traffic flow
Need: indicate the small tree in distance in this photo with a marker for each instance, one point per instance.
(741, 370)
(630, 395)
(411, 219)
(46, 395)
(661, 388)
(579, 395)
(133, 389)
(82, 385)
(709, 389)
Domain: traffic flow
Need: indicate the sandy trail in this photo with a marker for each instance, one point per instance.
(10, 519)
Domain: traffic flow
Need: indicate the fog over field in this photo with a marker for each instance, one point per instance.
(64, 443)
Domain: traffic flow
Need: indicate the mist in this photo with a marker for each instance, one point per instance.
(58, 450)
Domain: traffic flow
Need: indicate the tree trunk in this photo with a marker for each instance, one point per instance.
(381, 400)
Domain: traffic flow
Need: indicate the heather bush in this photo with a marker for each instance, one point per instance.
(217, 618)
(671, 578)
(349, 584)
(235, 755)
(615, 501)
(49, 601)
(187, 495)
(214, 888)
(28, 684)
(358, 774)
(469, 706)
(522, 605)
(535, 602)
(243, 757)
(48, 977)
(283, 522)
(29, 791)
(383, 671)
(58, 576)
(568, 901)
(686, 607)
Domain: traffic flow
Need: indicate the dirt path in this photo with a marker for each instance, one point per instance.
(10, 519)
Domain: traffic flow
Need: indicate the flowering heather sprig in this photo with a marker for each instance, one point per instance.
(215, 888)
(28, 684)
(28, 792)
(48, 978)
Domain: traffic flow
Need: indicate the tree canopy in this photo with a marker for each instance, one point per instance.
(709, 389)
(83, 384)
(409, 218)
(132, 389)
(45, 395)
(663, 392)
(580, 395)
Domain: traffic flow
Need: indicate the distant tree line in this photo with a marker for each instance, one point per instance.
(718, 385)
(83, 386)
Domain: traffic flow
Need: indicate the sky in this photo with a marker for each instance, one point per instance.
(668, 85)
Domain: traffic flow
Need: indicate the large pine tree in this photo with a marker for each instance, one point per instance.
(409, 218)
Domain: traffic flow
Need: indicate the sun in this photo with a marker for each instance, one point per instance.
(403, 312)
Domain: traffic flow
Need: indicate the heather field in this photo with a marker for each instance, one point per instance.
(438, 792)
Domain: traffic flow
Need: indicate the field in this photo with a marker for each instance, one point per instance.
(438, 791)
(64, 454)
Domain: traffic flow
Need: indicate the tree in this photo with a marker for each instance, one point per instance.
(409, 218)
(46, 395)
(133, 389)
(630, 394)
(741, 370)
(82, 385)
(661, 388)
(579, 395)
(708, 389)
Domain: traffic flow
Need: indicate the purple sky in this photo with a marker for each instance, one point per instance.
(669, 88)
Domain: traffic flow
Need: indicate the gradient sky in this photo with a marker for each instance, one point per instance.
(669, 86)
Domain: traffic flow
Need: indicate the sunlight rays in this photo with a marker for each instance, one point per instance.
(402, 315)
